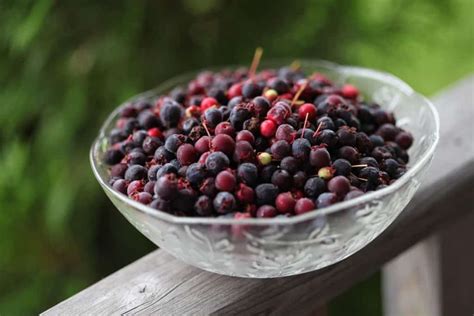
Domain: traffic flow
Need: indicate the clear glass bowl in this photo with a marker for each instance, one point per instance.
(276, 247)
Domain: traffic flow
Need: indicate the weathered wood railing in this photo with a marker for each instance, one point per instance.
(434, 278)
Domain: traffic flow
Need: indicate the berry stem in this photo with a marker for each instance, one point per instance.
(255, 61)
(298, 93)
(359, 166)
(208, 134)
(317, 129)
(304, 124)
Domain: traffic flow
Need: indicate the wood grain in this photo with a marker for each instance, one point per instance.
(160, 284)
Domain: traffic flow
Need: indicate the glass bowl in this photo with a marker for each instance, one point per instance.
(276, 247)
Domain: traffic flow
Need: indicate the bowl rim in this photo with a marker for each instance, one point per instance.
(340, 206)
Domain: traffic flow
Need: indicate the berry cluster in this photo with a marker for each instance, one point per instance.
(247, 144)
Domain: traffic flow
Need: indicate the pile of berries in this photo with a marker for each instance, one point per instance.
(272, 143)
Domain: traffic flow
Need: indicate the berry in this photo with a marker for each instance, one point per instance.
(120, 185)
(285, 132)
(342, 167)
(186, 154)
(212, 117)
(353, 194)
(225, 181)
(326, 173)
(404, 140)
(224, 128)
(208, 187)
(327, 137)
(289, 164)
(349, 91)
(326, 199)
(346, 136)
(161, 205)
(203, 144)
(349, 153)
(299, 179)
(195, 174)
(113, 156)
(251, 90)
(165, 169)
(280, 149)
(271, 94)
(166, 187)
(224, 143)
(266, 193)
(282, 179)
(151, 144)
(245, 135)
(203, 206)
(279, 85)
(388, 131)
(170, 113)
(136, 157)
(143, 197)
(243, 152)
(285, 202)
(216, 162)
(279, 113)
(149, 187)
(266, 211)
(264, 158)
(339, 185)
(307, 109)
(173, 142)
(248, 174)
(268, 128)
(304, 205)
(301, 148)
(162, 155)
(136, 172)
(208, 103)
(224, 203)
(314, 187)
(319, 157)
(245, 194)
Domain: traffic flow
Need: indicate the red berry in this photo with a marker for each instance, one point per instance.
(234, 91)
(349, 91)
(224, 128)
(225, 181)
(155, 132)
(207, 103)
(243, 152)
(239, 215)
(285, 202)
(245, 135)
(202, 144)
(304, 205)
(203, 157)
(339, 185)
(224, 143)
(186, 154)
(266, 211)
(307, 109)
(268, 128)
(245, 194)
(134, 187)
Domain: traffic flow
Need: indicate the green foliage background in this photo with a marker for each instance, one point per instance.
(65, 64)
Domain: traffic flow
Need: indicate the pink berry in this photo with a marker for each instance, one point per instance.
(155, 132)
(339, 185)
(266, 211)
(304, 205)
(225, 181)
(186, 154)
(224, 128)
(268, 128)
(245, 194)
(245, 135)
(202, 144)
(224, 143)
(285, 202)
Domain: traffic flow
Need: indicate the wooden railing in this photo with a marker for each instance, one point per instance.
(435, 277)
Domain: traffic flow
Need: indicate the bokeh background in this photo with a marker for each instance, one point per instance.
(65, 64)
